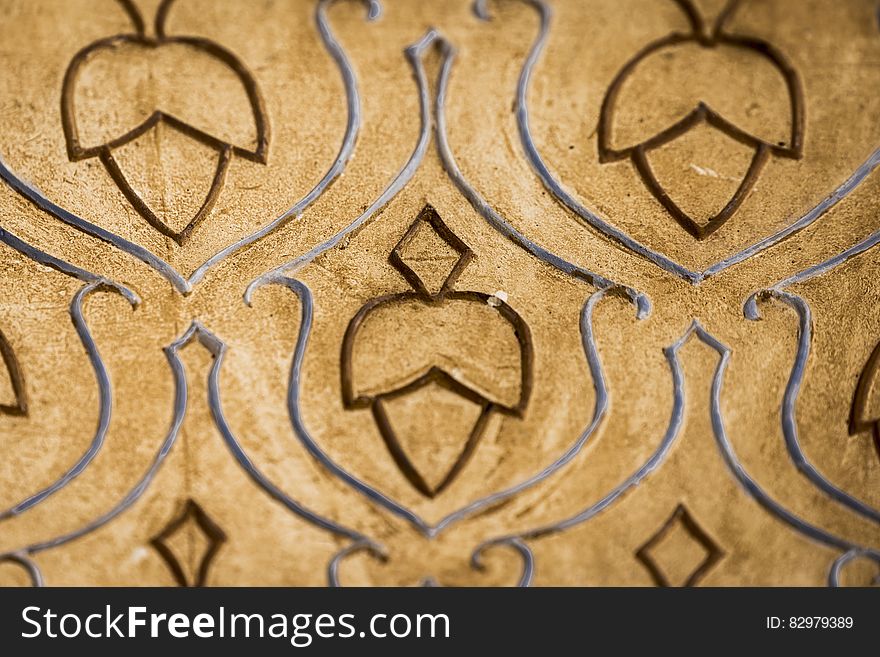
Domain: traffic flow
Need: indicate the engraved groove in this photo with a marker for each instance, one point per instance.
(104, 405)
(19, 406)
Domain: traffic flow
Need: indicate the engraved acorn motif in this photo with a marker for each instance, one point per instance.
(704, 95)
(138, 103)
(424, 341)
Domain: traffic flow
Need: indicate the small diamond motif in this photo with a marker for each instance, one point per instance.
(188, 544)
(430, 256)
(680, 553)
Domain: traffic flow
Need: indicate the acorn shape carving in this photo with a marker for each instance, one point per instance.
(434, 364)
(699, 114)
(165, 115)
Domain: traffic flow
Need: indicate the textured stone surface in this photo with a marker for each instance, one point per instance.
(628, 340)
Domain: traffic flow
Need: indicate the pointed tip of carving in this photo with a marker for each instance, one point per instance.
(130, 295)
(750, 308)
(253, 286)
(643, 305)
(105, 283)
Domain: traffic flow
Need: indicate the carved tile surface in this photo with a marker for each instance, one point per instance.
(503, 292)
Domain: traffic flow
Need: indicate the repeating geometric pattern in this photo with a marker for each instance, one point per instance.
(492, 292)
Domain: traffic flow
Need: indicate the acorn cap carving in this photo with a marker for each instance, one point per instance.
(203, 88)
(472, 343)
(185, 95)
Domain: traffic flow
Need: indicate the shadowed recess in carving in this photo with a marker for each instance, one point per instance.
(17, 405)
(865, 410)
(413, 324)
(186, 571)
(653, 551)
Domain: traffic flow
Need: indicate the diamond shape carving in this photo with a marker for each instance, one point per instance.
(688, 542)
(421, 257)
(202, 538)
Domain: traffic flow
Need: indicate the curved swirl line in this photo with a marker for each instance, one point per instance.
(789, 405)
(413, 54)
(727, 452)
(217, 349)
(649, 466)
(32, 194)
(359, 546)
(543, 171)
(304, 294)
(30, 566)
(829, 264)
(277, 276)
(105, 403)
(520, 547)
(491, 216)
(346, 149)
(600, 407)
(180, 402)
(845, 558)
(739, 471)
(64, 267)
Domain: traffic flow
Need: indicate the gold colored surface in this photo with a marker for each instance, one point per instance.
(478, 401)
